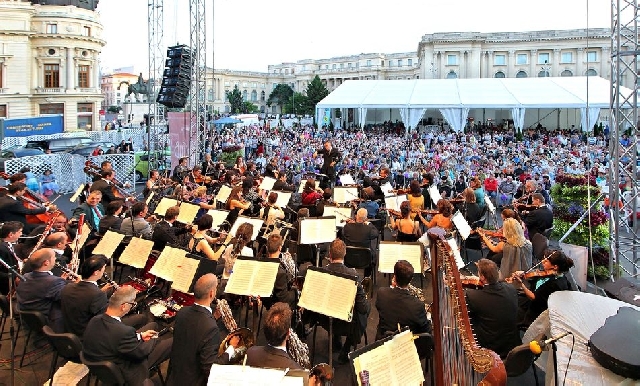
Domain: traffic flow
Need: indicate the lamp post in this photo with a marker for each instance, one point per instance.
(546, 68)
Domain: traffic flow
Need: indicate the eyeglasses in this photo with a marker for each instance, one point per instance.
(133, 304)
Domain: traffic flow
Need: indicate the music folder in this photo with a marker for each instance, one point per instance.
(256, 222)
(343, 194)
(137, 252)
(390, 252)
(165, 204)
(108, 244)
(317, 230)
(267, 183)
(329, 293)
(253, 277)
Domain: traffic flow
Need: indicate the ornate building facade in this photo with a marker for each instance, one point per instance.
(49, 60)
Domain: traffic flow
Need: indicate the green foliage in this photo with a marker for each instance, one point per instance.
(229, 158)
(519, 135)
(580, 235)
(301, 105)
(280, 95)
(113, 109)
(316, 91)
(249, 108)
(235, 100)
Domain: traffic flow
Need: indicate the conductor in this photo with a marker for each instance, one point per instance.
(330, 157)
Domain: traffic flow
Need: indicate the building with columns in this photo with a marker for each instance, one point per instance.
(49, 61)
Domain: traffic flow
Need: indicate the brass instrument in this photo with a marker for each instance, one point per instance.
(70, 274)
(298, 350)
(227, 317)
(246, 341)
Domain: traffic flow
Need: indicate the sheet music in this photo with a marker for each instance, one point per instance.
(149, 198)
(187, 213)
(165, 204)
(337, 303)
(283, 198)
(256, 222)
(456, 252)
(137, 252)
(434, 193)
(347, 179)
(317, 230)
(219, 216)
(301, 187)
(223, 193)
(267, 183)
(490, 206)
(108, 244)
(394, 202)
(343, 195)
(342, 214)
(461, 225)
(391, 252)
(387, 189)
(253, 277)
(235, 375)
(167, 262)
(86, 232)
(183, 274)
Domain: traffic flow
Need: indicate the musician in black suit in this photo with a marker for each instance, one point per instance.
(276, 331)
(281, 183)
(106, 338)
(208, 166)
(106, 186)
(282, 291)
(92, 210)
(12, 209)
(539, 219)
(10, 233)
(41, 290)
(360, 233)
(396, 305)
(197, 338)
(493, 311)
(166, 232)
(112, 220)
(331, 157)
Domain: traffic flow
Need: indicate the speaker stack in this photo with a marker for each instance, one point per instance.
(176, 78)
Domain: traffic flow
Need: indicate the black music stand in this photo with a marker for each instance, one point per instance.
(13, 274)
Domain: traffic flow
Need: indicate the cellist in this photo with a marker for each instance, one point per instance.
(12, 209)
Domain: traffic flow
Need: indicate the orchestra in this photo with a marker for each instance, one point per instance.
(219, 233)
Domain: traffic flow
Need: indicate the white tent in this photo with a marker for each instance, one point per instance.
(454, 97)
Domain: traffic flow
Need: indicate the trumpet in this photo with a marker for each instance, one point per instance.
(70, 274)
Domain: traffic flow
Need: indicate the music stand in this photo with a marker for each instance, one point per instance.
(336, 303)
(317, 230)
(13, 274)
(493, 216)
(256, 222)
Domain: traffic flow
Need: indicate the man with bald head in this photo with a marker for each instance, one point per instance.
(361, 233)
(197, 337)
(41, 289)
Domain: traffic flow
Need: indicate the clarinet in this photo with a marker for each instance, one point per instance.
(109, 281)
(70, 274)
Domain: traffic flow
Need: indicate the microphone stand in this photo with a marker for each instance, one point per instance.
(12, 275)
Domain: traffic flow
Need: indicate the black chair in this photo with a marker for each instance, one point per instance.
(547, 232)
(4, 309)
(361, 258)
(539, 243)
(105, 371)
(34, 321)
(518, 361)
(67, 346)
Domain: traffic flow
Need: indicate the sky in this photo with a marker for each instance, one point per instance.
(249, 35)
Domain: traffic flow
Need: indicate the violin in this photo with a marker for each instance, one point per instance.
(90, 165)
(471, 282)
(532, 274)
(393, 212)
(202, 180)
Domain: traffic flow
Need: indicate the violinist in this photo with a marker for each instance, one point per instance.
(471, 210)
(415, 197)
(512, 254)
(235, 204)
(200, 199)
(240, 165)
(281, 183)
(112, 220)
(408, 229)
(371, 206)
(271, 211)
(311, 195)
(442, 219)
(13, 206)
(208, 166)
(106, 186)
(10, 233)
(196, 177)
(152, 183)
(552, 279)
(181, 170)
(272, 168)
(539, 219)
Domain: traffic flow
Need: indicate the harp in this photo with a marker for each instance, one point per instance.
(458, 358)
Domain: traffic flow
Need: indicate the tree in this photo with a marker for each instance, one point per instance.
(280, 95)
(249, 108)
(316, 91)
(235, 100)
(113, 109)
(301, 105)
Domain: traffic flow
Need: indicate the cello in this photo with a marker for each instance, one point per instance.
(33, 200)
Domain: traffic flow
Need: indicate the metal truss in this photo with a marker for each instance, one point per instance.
(624, 225)
(197, 94)
(156, 64)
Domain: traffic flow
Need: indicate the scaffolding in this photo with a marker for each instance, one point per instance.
(624, 119)
(155, 114)
(197, 96)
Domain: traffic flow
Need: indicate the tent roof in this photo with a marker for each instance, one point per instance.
(560, 92)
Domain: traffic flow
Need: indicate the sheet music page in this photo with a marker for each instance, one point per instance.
(164, 266)
(461, 225)
(337, 303)
(86, 231)
(301, 187)
(219, 216)
(342, 214)
(252, 277)
(183, 273)
(137, 252)
(387, 189)
(240, 280)
(394, 202)
(150, 197)
(264, 277)
(187, 213)
(434, 193)
(342, 195)
(256, 222)
(317, 230)
(108, 244)
(165, 204)
(223, 193)
(490, 206)
(236, 375)
(391, 252)
(456, 252)
(267, 183)
(378, 363)
(404, 360)
(283, 198)
(347, 179)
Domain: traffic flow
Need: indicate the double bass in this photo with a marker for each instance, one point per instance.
(33, 200)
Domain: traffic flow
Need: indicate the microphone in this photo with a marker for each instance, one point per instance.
(536, 347)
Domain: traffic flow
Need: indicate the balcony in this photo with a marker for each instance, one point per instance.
(49, 90)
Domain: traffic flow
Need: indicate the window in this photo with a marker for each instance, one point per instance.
(244, 95)
(52, 28)
(521, 74)
(592, 56)
(452, 75)
(85, 107)
(262, 85)
(3, 111)
(499, 74)
(543, 58)
(390, 63)
(226, 95)
(341, 65)
(210, 95)
(348, 65)
(522, 59)
(262, 96)
(326, 66)
(566, 73)
(83, 76)
(85, 116)
(254, 96)
(1, 77)
(368, 62)
(409, 62)
(566, 57)
(275, 85)
(254, 85)
(333, 67)
(591, 72)
(86, 31)
(52, 108)
(244, 84)
(452, 60)
(226, 84)
(544, 74)
(51, 75)
(500, 60)
(399, 62)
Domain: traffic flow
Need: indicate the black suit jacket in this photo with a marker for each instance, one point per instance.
(9, 258)
(328, 157)
(13, 210)
(281, 290)
(109, 222)
(538, 220)
(282, 185)
(493, 311)
(359, 235)
(107, 339)
(41, 292)
(80, 302)
(164, 233)
(196, 339)
(107, 190)
(270, 357)
(89, 215)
